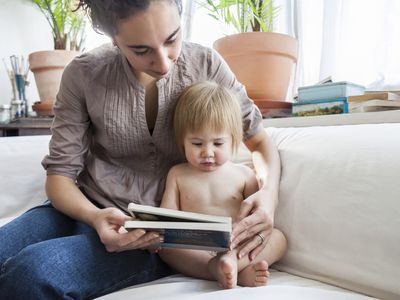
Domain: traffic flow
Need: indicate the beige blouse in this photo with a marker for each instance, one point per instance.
(100, 136)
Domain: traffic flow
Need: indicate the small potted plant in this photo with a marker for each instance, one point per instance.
(68, 28)
(262, 60)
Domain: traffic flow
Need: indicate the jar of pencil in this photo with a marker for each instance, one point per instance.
(18, 74)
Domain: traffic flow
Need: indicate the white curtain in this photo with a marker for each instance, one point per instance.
(350, 40)
(187, 17)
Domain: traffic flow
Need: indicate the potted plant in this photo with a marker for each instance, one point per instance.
(68, 27)
(262, 60)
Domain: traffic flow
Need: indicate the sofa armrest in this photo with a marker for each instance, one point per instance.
(22, 176)
(339, 205)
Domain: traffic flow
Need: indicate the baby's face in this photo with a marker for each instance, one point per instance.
(208, 150)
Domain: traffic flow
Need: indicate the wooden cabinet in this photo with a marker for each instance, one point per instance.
(27, 126)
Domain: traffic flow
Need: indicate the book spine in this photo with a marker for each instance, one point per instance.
(196, 239)
(321, 107)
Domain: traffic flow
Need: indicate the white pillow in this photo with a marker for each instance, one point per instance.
(339, 205)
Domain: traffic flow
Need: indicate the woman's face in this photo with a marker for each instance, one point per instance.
(151, 40)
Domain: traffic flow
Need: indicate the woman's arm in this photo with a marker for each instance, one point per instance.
(256, 215)
(71, 135)
(108, 222)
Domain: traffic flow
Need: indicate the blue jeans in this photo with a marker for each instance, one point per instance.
(44, 254)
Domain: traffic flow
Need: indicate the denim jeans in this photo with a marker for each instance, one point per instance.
(44, 254)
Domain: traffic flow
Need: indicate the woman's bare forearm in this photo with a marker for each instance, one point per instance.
(267, 164)
(67, 198)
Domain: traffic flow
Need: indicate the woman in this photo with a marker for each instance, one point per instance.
(112, 143)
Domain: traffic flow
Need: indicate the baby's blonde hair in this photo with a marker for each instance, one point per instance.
(208, 106)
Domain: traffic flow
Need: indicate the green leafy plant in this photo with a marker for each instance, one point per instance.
(67, 24)
(244, 15)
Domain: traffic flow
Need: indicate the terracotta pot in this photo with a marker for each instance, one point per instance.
(48, 66)
(43, 109)
(263, 61)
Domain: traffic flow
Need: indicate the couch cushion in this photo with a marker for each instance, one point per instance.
(22, 177)
(340, 205)
(281, 286)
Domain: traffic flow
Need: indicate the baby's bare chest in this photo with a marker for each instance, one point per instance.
(217, 196)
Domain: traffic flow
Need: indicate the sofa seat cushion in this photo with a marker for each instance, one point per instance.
(281, 286)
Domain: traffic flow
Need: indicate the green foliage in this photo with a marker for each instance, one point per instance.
(244, 15)
(67, 25)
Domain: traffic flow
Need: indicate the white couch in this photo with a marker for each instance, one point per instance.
(339, 208)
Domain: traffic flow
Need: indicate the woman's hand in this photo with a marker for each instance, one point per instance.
(254, 224)
(109, 224)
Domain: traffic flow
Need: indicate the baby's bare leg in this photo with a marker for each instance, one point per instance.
(223, 268)
(255, 273)
(202, 264)
(192, 263)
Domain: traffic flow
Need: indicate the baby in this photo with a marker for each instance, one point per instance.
(208, 129)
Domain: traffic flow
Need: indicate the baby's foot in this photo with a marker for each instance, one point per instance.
(254, 275)
(224, 269)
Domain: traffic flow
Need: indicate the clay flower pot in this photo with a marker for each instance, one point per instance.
(263, 61)
(48, 66)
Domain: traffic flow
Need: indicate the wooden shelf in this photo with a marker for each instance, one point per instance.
(391, 116)
(27, 126)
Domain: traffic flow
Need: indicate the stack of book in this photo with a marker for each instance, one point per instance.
(374, 101)
(325, 99)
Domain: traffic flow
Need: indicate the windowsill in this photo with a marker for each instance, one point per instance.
(391, 116)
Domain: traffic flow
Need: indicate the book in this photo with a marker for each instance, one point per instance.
(325, 80)
(373, 105)
(381, 91)
(182, 229)
(374, 96)
(329, 91)
(320, 107)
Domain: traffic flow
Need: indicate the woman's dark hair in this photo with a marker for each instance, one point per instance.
(105, 14)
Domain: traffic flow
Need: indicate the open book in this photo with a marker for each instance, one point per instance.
(182, 229)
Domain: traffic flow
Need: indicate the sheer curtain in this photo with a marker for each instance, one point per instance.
(349, 40)
(352, 40)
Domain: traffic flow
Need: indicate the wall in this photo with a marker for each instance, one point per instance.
(24, 29)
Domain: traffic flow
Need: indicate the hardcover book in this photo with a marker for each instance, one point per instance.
(328, 91)
(321, 107)
(373, 105)
(374, 96)
(182, 229)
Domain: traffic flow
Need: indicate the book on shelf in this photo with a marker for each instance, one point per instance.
(373, 105)
(325, 80)
(320, 107)
(329, 90)
(381, 91)
(182, 229)
(374, 96)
